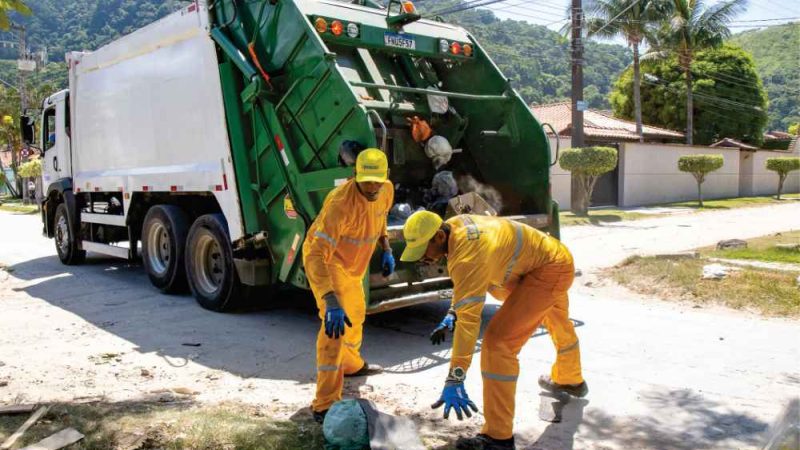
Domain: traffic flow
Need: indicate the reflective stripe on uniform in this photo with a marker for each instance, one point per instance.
(322, 235)
(499, 377)
(568, 348)
(468, 301)
(328, 368)
(517, 251)
(355, 241)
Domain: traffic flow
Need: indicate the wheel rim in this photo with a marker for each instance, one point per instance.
(208, 265)
(159, 248)
(62, 234)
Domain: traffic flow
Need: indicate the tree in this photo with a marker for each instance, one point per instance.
(587, 165)
(33, 170)
(794, 129)
(691, 27)
(634, 23)
(783, 166)
(11, 5)
(733, 105)
(700, 166)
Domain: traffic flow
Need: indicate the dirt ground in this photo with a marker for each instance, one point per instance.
(661, 375)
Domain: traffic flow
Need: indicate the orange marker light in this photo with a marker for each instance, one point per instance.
(321, 25)
(409, 8)
(467, 50)
(455, 48)
(337, 28)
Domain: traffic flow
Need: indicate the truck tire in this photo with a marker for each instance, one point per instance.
(209, 264)
(164, 234)
(64, 237)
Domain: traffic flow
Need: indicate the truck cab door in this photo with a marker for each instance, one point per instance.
(56, 161)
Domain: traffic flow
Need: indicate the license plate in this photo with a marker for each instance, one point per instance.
(399, 41)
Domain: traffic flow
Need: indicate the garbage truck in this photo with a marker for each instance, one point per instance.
(205, 143)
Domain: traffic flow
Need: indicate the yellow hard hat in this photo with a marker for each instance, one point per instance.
(372, 165)
(418, 231)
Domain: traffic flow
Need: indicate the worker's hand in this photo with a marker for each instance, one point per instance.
(387, 262)
(447, 324)
(335, 317)
(454, 396)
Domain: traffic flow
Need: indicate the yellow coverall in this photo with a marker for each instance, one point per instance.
(530, 272)
(336, 255)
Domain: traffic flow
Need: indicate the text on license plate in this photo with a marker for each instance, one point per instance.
(399, 41)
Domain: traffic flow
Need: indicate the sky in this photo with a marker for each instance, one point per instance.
(552, 13)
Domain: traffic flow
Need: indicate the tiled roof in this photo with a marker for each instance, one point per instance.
(728, 142)
(777, 135)
(597, 124)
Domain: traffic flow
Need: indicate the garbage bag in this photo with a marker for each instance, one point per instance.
(420, 129)
(345, 426)
(444, 185)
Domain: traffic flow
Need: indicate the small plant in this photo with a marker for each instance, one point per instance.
(700, 166)
(587, 165)
(782, 166)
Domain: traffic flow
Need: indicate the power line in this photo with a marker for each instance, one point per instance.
(766, 20)
(633, 3)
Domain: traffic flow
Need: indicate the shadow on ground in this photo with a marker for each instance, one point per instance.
(271, 340)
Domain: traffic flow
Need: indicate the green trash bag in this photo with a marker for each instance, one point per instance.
(345, 427)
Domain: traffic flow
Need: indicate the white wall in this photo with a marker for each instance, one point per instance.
(560, 179)
(649, 174)
(757, 180)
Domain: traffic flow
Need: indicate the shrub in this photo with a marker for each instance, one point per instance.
(783, 166)
(587, 165)
(700, 166)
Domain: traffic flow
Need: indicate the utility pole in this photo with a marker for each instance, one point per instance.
(577, 74)
(22, 79)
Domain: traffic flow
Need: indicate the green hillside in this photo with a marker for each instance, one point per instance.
(776, 51)
(534, 57)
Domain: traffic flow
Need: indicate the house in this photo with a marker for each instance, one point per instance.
(733, 143)
(599, 126)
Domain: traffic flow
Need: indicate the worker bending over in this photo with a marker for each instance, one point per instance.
(530, 272)
(336, 255)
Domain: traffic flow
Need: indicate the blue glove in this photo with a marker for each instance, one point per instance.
(448, 323)
(387, 263)
(335, 317)
(454, 396)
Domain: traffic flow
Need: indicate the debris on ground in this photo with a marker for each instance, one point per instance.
(715, 271)
(731, 244)
(191, 344)
(16, 409)
(22, 429)
(63, 438)
(677, 255)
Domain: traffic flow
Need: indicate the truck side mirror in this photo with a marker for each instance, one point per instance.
(27, 127)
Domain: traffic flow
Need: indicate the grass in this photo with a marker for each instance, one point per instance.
(15, 205)
(763, 249)
(599, 216)
(770, 292)
(109, 426)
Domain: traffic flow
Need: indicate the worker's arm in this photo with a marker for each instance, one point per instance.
(321, 247)
(470, 283)
(387, 259)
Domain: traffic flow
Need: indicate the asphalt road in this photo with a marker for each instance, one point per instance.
(661, 375)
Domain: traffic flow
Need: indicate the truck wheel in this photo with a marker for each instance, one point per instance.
(64, 236)
(163, 245)
(209, 264)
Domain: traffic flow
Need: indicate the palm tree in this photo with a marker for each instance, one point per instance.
(633, 20)
(692, 27)
(11, 5)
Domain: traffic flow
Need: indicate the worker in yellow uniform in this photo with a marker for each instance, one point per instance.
(530, 272)
(336, 254)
